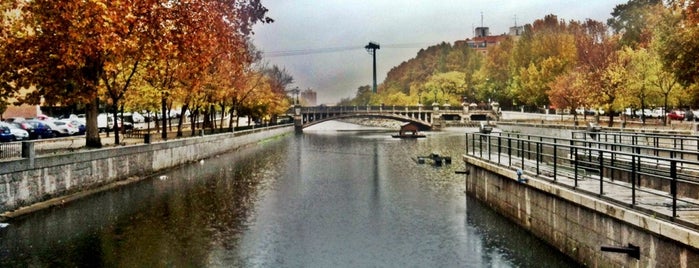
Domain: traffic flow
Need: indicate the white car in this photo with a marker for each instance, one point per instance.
(20, 134)
(64, 128)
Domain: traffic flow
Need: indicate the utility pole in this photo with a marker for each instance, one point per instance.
(371, 48)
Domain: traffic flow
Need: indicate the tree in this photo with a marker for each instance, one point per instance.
(68, 49)
(638, 72)
(546, 50)
(679, 35)
(631, 21)
(597, 60)
(570, 91)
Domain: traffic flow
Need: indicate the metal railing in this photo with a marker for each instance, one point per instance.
(658, 144)
(607, 170)
(10, 150)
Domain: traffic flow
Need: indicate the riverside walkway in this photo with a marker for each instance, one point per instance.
(650, 173)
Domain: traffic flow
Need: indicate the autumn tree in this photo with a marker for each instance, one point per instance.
(546, 50)
(639, 72)
(631, 21)
(680, 40)
(490, 82)
(67, 50)
(596, 58)
(570, 91)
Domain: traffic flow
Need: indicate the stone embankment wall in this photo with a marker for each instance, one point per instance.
(29, 181)
(579, 225)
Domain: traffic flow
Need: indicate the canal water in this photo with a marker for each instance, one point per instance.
(339, 195)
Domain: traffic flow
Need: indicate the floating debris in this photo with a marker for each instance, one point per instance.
(437, 160)
(3, 225)
(162, 177)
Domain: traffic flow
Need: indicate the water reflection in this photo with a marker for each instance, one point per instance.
(322, 199)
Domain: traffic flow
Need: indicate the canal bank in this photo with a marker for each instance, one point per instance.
(29, 184)
(593, 231)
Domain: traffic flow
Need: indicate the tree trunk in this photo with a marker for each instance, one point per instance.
(223, 111)
(92, 135)
(163, 105)
(115, 117)
(181, 122)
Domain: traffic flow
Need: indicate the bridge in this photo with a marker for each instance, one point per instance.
(426, 117)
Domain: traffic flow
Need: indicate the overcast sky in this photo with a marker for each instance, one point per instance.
(321, 42)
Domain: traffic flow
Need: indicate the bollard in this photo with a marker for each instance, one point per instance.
(519, 176)
(146, 138)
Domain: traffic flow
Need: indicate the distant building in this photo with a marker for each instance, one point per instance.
(516, 31)
(308, 97)
(23, 111)
(481, 32)
(482, 39)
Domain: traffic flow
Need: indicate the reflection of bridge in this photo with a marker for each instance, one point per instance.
(427, 117)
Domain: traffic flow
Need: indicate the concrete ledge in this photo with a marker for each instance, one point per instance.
(64, 175)
(587, 222)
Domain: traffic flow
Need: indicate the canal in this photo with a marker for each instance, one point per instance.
(339, 195)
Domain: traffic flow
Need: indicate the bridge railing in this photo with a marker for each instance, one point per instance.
(385, 108)
(605, 169)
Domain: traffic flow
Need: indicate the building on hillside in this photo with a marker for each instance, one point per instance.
(482, 39)
(516, 31)
(308, 97)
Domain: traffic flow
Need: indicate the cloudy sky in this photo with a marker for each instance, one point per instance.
(321, 42)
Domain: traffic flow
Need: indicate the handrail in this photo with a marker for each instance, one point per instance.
(611, 164)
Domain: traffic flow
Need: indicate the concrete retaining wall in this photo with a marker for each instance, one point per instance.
(579, 225)
(28, 181)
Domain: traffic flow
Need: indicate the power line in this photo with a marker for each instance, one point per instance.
(311, 51)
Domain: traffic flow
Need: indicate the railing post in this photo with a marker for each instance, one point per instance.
(509, 151)
(499, 147)
(601, 172)
(673, 187)
(466, 143)
(575, 157)
(633, 179)
(28, 152)
(480, 144)
(522, 159)
(555, 159)
(489, 148)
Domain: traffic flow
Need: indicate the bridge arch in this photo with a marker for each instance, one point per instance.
(402, 118)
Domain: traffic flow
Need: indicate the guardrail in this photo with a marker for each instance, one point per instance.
(32, 148)
(10, 150)
(614, 167)
(658, 144)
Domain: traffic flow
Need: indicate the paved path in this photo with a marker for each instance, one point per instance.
(647, 200)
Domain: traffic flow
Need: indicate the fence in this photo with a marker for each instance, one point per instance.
(10, 150)
(613, 170)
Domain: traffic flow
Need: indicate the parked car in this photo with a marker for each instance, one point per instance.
(27, 127)
(14, 119)
(134, 117)
(6, 134)
(64, 128)
(676, 115)
(20, 134)
(41, 129)
(77, 124)
(647, 113)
